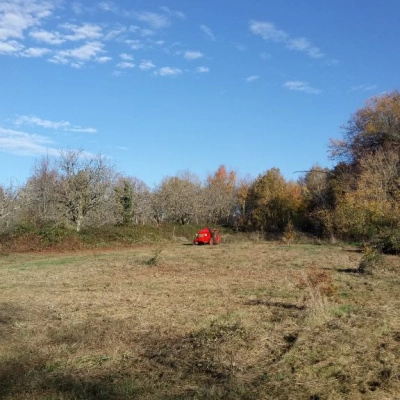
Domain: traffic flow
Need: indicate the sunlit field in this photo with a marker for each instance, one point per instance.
(246, 320)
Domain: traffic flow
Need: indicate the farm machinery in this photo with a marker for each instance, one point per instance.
(207, 236)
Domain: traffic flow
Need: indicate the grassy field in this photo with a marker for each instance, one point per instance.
(247, 320)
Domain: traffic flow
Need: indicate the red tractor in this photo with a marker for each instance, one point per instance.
(207, 236)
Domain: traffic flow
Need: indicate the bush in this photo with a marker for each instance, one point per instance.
(388, 243)
(370, 259)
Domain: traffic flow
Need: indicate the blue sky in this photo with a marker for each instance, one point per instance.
(165, 86)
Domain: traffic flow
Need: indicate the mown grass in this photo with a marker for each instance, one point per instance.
(244, 320)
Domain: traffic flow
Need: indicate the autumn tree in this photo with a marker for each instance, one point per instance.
(366, 180)
(273, 202)
(318, 199)
(373, 127)
(220, 194)
(374, 205)
(242, 195)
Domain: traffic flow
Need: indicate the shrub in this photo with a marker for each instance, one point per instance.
(370, 259)
(388, 243)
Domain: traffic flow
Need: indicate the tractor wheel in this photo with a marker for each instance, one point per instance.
(214, 238)
(211, 241)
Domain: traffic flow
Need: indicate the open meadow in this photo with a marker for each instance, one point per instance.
(245, 320)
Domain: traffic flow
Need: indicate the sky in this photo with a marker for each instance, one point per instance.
(160, 87)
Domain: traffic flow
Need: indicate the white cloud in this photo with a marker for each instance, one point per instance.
(108, 6)
(208, 32)
(77, 8)
(145, 65)
(126, 57)
(202, 70)
(175, 14)
(135, 44)
(47, 124)
(19, 15)
(78, 56)
(47, 37)
(115, 33)
(22, 143)
(363, 88)
(193, 55)
(83, 32)
(35, 52)
(10, 47)
(154, 20)
(140, 31)
(301, 87)
(270, 33)
(103, 59)
(252, 78)
(168, 71)
(126, 65)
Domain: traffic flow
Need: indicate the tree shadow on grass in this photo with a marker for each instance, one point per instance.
(24, 375)
(279, 304)
(349, 270)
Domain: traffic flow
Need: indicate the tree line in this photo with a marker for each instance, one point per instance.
(359, 198)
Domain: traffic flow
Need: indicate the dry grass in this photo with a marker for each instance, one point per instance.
(237, 321)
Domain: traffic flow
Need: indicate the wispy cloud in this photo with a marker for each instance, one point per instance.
(126, 65)
(193, 55)
(108, 6)
(78, 56)
(301, 87)
(168, 71)
(32, 120)
(202, 70)
(174, 14)
(208, 32)
(146, 65)
(154, 20)
(126, 57)
(22, 143)
(270, 33)
(11, 47)
(41, 35)
(240, 47)
(82, 32)
(252, 78)
(34, 52)
(135, 44)
(78, 44)
(363, 88)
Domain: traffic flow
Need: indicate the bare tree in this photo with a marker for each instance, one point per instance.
(316, 187)
(84, 186)
(40, 190)
(9, 206)
(177, 199)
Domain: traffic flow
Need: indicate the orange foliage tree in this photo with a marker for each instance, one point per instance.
(220, 194)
